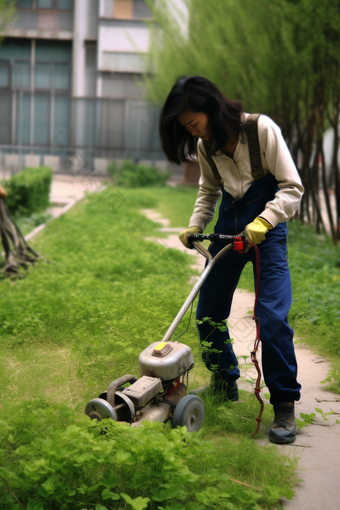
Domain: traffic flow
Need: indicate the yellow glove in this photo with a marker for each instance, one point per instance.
(183, 236)
(256, 230)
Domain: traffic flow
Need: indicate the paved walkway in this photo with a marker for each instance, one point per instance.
(317, 446)
(66, 191)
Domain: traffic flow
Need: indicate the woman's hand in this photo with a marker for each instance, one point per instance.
(183, 236)
(256, 231)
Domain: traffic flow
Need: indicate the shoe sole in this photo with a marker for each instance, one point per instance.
(282, 440)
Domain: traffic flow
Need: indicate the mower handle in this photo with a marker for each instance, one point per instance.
(230, 243)
(221, 239)
(233, 241)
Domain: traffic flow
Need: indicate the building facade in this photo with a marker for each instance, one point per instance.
(71, 91)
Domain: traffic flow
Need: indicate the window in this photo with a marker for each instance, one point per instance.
(44, 4)
(123, 9)
(15, 63)
(62, 5)
(121, 85)
(49, 76)
(85, 114)
(66, 5)
(4, 75)
(62, 108)
(116, 61)
(90, 54)
(90, 68)
(52, 69)
(141, 10)
(126, 9)
(53, 51)
(110, 123)
(41, 120)
(43, 76)
(61, 77)
(35, 84)
(5, 117)
(16, 49)
(28, 4)
(24, 120)
(21, 75)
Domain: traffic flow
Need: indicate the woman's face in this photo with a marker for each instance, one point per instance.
(197, 123)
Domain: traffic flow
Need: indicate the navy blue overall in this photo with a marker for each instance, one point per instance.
(274, 301)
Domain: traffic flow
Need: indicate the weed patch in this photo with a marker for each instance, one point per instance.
(54, 464)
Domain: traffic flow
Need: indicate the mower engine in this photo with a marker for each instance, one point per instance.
(158, 395)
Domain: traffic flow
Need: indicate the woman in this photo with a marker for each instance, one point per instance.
(247, 161)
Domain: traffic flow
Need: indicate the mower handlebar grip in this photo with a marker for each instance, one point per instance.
(221, 239)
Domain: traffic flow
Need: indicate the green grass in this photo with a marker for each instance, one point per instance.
(26, 225)
(177, 204)
(78, 321)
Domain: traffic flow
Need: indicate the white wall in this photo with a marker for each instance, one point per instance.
(121, 39)
(114, 38)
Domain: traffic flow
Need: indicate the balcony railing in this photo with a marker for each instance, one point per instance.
(31, 20)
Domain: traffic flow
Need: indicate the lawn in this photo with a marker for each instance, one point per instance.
(76, 322)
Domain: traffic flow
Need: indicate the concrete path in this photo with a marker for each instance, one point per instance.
(318, 445)
(66, 191)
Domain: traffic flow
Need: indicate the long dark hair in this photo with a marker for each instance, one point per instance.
(197, 94)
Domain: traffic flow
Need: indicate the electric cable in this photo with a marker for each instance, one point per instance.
(191, 308)
(254, 360)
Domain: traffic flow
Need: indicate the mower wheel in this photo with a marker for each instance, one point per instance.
(99, 409)
(189, 412)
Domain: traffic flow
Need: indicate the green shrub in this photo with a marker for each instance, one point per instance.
(28, 191)
(50, 460)
(132, 175)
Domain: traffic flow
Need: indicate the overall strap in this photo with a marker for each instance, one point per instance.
(254, 146)
(207, 146)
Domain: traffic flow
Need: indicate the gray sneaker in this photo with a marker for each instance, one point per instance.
(283, 429)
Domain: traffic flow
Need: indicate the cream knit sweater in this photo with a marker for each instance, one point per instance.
(236, 174)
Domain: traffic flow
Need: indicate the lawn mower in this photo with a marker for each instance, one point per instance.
(160, 393)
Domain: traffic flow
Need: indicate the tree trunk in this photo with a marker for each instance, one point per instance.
(335, 172)
(325, 189)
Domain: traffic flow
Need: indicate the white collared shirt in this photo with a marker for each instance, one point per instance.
(237, 176)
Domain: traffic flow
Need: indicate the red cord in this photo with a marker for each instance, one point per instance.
(257, 389)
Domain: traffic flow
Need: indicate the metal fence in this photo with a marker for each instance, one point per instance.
(80, 134)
